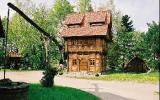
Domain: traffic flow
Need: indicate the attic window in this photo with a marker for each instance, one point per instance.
(97, 23)
(74, 25)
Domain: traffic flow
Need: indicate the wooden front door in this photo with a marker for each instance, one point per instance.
(83, 65)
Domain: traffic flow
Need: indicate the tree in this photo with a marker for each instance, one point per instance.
(4, 20)
(24, 37)
(56, 17)
(152, 40)
(127, 24)
(35, 47)
(125, 39)
(85, 6)
(113, 54)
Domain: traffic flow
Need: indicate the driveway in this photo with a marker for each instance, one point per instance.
(106, 90)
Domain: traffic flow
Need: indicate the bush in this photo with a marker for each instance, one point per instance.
(97, 75)
(48, 78)
(60, 73)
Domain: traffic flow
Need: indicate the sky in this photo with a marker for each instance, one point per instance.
(140, 11)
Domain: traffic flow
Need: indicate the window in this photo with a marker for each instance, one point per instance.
(85, 53)
(92, 62)
(79, 42)
(74, 62)
(74, 42)
(97, 23)
(85, 42)
(74, 25)
(92, 42)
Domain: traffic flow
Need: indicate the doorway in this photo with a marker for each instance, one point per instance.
(83, 64)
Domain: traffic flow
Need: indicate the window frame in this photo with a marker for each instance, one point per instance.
(92, 62)
(74, 62)
(76, 25)
(92, 24)
(73, 42)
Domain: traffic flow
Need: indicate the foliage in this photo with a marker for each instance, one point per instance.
(48, 78)
(85, 6)
(151, 41)
(125, 39)
(57, 14)
(29, 42)
(112, 55)
(37, 92)
(127, 23)
(25, 37)
(121, 49)
(56, 17)
(2, 43)
(1, 52)
(127, 42)
(97, 75)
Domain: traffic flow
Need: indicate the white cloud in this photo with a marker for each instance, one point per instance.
(141, 11)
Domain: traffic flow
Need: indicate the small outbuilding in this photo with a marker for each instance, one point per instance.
(136, 64)
(14, 59)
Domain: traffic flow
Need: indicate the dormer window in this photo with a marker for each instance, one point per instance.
(97, 23)
(74, 25)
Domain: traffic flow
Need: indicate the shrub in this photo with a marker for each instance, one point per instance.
(97, 75)
(48, 78)
(60, 73)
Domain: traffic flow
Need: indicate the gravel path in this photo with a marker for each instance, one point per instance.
(106, 90)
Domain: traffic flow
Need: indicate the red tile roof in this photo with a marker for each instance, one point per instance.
(96, 17)
(74, 19)
(14, 55)
(85, 28)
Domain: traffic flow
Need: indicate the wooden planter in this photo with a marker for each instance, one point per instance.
(14, 91)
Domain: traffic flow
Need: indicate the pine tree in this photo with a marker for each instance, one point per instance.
(125, 39)
(127, 24)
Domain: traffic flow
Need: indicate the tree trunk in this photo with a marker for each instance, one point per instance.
(47, 42)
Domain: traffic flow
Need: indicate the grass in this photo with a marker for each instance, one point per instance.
(37, 92)
(152, 77)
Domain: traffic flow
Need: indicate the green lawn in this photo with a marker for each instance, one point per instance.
(152, 77)
(37, 92)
